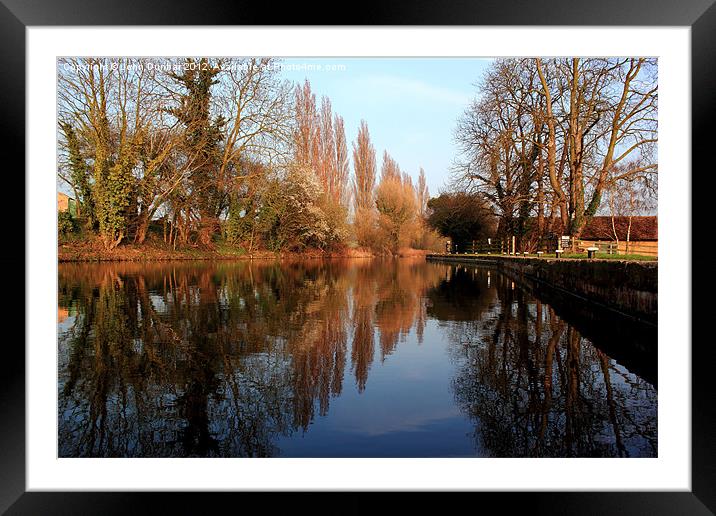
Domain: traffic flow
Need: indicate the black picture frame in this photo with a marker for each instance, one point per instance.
(17, 15)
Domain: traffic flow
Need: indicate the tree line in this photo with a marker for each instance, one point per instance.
(549, 143)
(224, 150)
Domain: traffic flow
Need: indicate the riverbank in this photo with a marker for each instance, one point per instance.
(94, 251)
(627, 287)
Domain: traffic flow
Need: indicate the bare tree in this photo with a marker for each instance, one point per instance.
(307, 130)
(364, 167)
(499, 138)
(543, 136)
(607, 113)
(423, 194)
(389, 169)
(627, 195)
(114, 106)
(340, 190)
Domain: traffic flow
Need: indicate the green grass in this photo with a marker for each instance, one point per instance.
(580, 256)
(599, 256)
(605, 256)
(229, 249)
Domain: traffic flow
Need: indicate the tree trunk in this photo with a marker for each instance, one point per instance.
(540, 199)
(616, 235)
(141, 233)
(208, 226)
(559, 193)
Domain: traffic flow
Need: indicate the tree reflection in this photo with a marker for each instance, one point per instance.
(180, 360)
(223, 360)
(532, 384)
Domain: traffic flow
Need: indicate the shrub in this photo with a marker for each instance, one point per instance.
(364, 227)
(397, 208)
(65, 223)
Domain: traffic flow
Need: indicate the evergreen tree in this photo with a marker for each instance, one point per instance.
(79, 174)
(202, 142)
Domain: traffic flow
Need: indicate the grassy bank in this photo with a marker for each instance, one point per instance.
(602, 256)
(94, 251)
(576, 256)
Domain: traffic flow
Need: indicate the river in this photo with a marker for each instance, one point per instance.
(343, 358)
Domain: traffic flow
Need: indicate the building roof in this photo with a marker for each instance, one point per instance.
(643, 228)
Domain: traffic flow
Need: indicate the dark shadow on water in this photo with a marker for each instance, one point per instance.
(537, 379)
(630, 342)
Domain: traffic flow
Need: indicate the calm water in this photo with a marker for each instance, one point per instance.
(360, 358)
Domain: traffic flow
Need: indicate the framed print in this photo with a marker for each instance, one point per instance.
(417, 252)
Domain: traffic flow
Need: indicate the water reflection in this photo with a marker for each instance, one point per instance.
(533, 385)
(247, 360)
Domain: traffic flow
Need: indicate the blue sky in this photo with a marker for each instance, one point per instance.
(410, 104)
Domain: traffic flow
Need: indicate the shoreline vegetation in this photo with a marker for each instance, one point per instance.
(221, 158)
(94, 251)
(170, 158)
